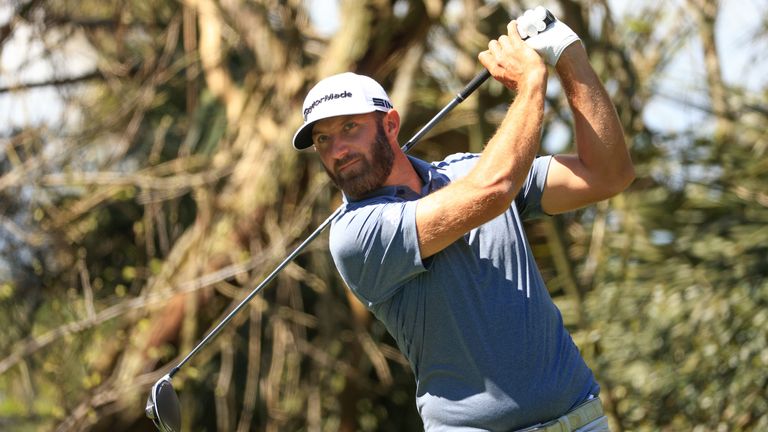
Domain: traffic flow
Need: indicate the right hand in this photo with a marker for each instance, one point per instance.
(511, 61)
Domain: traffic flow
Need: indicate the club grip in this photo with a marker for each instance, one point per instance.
(474, 84)
(482, 76)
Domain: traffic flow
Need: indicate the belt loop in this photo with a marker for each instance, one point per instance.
(564, 423)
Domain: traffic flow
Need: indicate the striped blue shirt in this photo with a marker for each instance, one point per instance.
(485, 341)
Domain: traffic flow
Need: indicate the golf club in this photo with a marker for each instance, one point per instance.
(163, 406)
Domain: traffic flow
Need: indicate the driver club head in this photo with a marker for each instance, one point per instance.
(163, 406)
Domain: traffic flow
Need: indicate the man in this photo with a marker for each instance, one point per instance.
(437, 251)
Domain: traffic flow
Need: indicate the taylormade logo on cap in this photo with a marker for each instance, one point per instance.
(325, 98)
(338, 95)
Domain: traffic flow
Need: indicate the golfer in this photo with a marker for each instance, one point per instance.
(437, 250)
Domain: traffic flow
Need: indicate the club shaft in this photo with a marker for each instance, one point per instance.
(470, 88)
(256, 290)
(463, 94)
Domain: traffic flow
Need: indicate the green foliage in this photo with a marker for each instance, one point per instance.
(682, 332)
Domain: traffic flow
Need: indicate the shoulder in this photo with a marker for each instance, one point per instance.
(374, 246)
(457, 164)
(362, 219)
(356, 210)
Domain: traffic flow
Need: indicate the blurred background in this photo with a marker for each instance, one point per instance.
(148, 183)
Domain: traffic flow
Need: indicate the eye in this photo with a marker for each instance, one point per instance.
(320, 139)
(349, 126)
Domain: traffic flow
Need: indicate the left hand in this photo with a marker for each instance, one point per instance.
(549, 43)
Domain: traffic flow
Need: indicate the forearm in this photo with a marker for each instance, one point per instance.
(507, 157)
(489, 188)
(599, 137)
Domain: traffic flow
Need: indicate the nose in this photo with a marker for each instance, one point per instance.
(339, 147)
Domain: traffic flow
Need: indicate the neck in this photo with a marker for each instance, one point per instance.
(403, 173)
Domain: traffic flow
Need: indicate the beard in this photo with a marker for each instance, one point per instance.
(366, 175)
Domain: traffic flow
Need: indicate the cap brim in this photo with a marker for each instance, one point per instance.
(302, 139)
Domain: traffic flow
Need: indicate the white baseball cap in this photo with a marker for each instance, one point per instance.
(343, 94)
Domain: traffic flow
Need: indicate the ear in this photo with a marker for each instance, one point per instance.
(392, 124)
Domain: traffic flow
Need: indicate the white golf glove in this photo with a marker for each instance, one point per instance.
(551, 43)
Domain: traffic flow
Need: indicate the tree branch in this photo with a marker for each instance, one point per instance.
(54, 82)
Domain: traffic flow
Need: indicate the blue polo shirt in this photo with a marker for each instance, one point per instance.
(485, 341)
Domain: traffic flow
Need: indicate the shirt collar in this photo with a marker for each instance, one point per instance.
(430, 180)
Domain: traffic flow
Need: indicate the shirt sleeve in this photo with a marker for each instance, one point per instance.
(528, 200)
(375, 248)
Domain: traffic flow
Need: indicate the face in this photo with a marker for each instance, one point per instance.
(355, 152)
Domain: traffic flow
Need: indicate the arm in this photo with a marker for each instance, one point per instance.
(488, 190)
(602, 166)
